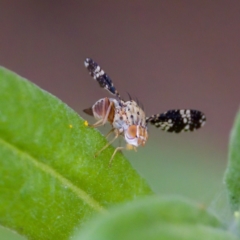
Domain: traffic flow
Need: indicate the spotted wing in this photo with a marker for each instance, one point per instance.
(102, 78)
(178, 120)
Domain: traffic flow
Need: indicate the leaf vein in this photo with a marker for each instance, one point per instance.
(49, 170)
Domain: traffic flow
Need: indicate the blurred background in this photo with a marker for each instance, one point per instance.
(168, 54)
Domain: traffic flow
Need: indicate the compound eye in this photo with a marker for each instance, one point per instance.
(132, 131)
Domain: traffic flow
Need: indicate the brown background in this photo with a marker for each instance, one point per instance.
(169, 54)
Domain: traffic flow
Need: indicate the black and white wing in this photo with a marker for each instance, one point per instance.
(178, 120)
(101, 77)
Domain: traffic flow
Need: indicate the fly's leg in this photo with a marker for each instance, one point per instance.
(128, 147)
(115, 151)
(96, 124)
(116, 136)
(109, 133)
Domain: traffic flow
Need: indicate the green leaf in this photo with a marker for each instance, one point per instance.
(50, 181)
(155, 219)
(232, 177)
(7, 234)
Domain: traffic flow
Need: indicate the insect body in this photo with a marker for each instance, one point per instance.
(128, 119)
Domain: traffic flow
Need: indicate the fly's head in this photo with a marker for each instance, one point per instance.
(136, 135)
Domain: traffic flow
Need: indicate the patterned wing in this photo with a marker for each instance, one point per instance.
(102, 78)
(178, 120)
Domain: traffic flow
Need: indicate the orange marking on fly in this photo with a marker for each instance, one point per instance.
(128, 119)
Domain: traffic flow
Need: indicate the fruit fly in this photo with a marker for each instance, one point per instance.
(128, 118)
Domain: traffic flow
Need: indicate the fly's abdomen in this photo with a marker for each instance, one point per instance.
(103, 108)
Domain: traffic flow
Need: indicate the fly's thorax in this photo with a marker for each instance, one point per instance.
(120, 121)
(127, 114)
(135, 115)
(103, 107)
(136, 135)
